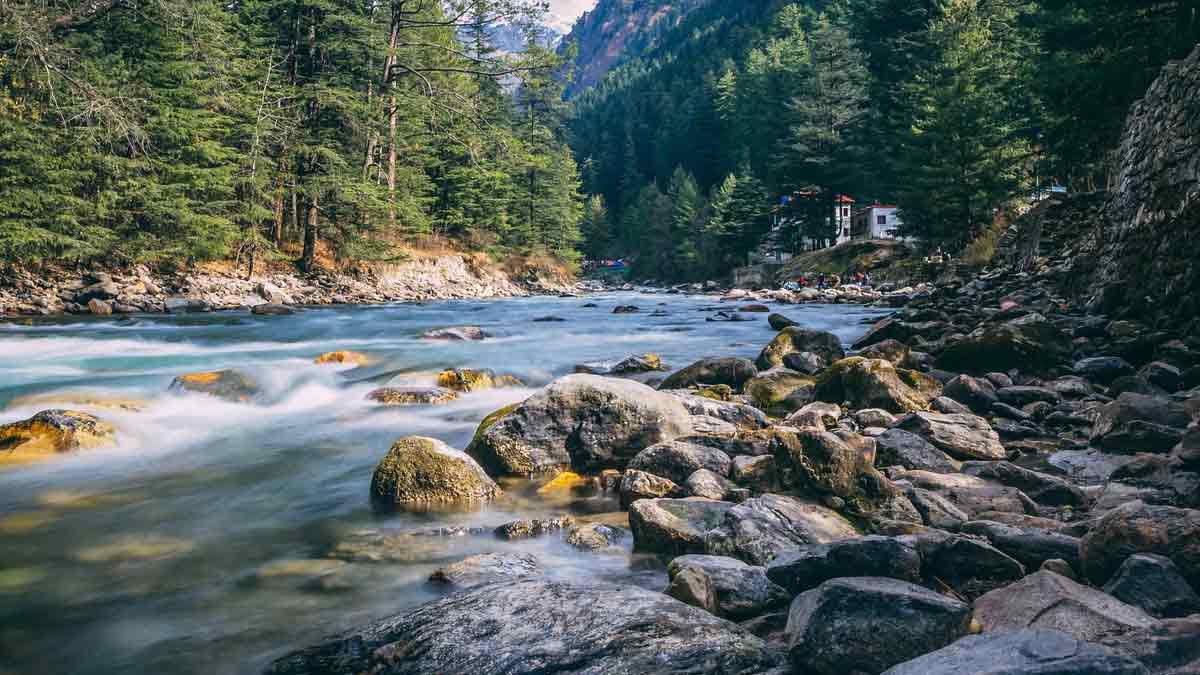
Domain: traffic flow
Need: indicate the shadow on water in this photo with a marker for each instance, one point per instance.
(217, 535)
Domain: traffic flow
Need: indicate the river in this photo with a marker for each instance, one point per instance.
(201, 543)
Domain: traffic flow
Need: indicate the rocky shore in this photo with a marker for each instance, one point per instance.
(140, 289)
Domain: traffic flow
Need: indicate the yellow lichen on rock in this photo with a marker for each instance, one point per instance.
(225, 384)
(562, 484)
(51, 432)
(468, 380)
(343, 357)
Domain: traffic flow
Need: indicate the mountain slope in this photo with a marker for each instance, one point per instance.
(619, 30)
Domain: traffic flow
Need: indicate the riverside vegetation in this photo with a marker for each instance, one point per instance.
(1001, 477)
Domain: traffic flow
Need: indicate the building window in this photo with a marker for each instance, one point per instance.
(845, 211)
(882, 220)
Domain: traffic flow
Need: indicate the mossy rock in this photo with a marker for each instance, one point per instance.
(426, 473)
(771, 390)
(51, 432)
(830, 382)
(467, 380)
(873, 383)
(927, 386)
(716, 392)
(796, 339)
(490, 421)
(409, 396)
(229, 385)
(343, 358)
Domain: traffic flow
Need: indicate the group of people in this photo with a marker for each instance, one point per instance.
(822, 281)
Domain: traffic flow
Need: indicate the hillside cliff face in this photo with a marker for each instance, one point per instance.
(619, 30)
(1149, 243)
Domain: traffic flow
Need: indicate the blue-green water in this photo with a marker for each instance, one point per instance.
(156, 555)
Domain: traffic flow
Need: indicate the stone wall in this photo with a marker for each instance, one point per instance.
(1148, 249)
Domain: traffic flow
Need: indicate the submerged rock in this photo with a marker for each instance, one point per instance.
(536, 626)
(51, 432)
(456, 333)
(407, 396)
(425, 472)
(467, 380)
(586, 422)
(487, 568)
(343, 358)
(229, 385)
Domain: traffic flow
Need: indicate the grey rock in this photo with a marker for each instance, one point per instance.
(533, 626)
(676, 460)
(1048, 601)
(1153, 583)
(978, 394)
(796, 339)
(742, 591)
(1044, 652)
(456, 334)
(756, 473)
(1137, 527)
(812, 565)
(1031, 547)
(733, 372)
(760, 529)
(677, 526)
(962, 436)
(637, 485)
(594, 536)
(1041, 487)
(486, 568)
(896, 447)
(868, 624)
(582, 421)
(1103, 369)
(705, 483)
(1140, 423)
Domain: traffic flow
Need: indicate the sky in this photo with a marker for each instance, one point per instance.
(569, 10)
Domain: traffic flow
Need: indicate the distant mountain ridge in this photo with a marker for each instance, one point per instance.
(616, 31)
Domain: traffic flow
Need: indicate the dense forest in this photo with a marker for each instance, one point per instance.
(313, 130)
(951, 108)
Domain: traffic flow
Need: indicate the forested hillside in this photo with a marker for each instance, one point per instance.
(950, 108)
(188, 130)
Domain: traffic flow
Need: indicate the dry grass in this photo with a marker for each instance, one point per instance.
(980, 252)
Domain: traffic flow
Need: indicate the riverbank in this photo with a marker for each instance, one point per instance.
(139, 289)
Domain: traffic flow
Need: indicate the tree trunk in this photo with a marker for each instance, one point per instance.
(391, 179)
(308, 258)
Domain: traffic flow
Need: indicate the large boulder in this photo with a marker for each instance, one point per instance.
(820, 464)
(869, 383)
(969, 565)
(1137, 527)
(51, 432)
(1030, 343)
(868, 624)
(1048, 601)
(796, 339)
(897, 447)
(677, 460)
(733, 372)
(962, 436)
(425, 472)
(874, 556)
(1153, 583)
(760, 529)
(677, 526)
(1044, 652)
(582, 421)
(229, 385)
(1140, 423)
(533, 626)
(742, 591)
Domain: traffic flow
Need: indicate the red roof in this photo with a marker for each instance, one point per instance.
(843, 199)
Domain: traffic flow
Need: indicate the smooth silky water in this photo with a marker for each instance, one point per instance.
(200, 543)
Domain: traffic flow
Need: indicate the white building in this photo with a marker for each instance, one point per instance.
(877, 221)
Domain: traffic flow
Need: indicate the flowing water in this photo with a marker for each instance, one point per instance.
(201, 542)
